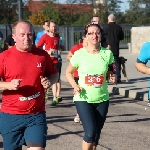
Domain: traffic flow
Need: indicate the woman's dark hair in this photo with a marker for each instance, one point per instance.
(90, 25)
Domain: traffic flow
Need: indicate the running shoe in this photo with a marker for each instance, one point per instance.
(77, 119)
(54, 102)
(59, 99)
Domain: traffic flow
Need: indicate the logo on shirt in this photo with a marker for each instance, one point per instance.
(29, 97)
(39, 65)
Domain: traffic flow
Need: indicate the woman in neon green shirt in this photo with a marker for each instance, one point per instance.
(91, 95)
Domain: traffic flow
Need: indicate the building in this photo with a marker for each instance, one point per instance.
(38, 5)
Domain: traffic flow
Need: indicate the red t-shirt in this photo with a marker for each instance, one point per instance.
(28, 66)
(49, 41)
(73, 49)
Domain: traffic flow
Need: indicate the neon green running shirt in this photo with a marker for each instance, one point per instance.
(92, 69)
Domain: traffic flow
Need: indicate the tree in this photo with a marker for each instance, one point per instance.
(120, 18)
(139, 12)
(8, 11)
(113, 6)
(26, 13)
(51, 13)
(37, 18)
(83, 19)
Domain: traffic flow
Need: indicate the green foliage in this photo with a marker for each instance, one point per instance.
(82, 19)
(138, 13)
(52, 13)
(26, 13)
(120, 18)
(8, 11)
(114, 6)
(37, 18)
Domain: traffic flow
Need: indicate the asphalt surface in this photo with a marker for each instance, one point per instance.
(127, 123)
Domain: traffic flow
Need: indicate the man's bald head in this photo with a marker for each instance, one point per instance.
(111, 18)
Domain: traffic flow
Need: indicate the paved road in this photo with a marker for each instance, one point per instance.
(126, 127)
(127, 124)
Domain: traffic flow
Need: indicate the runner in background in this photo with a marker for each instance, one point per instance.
(41, 33)
(51, 42)
(142, 63)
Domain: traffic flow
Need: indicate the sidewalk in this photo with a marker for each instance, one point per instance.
(136, 88)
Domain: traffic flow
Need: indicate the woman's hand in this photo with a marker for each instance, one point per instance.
(77, 90)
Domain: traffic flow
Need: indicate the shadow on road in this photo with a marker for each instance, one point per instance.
(52, 137)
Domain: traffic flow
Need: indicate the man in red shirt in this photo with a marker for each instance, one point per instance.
(24, 71)
(51, 42)
(81, 44)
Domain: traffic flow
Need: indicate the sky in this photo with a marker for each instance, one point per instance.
(124, 5)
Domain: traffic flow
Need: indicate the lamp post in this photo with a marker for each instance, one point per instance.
(20, 10)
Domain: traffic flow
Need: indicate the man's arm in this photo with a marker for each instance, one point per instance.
(12, 85)
(141, 67)
(40, 43)
(37, 38)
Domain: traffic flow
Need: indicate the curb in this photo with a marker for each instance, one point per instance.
(128, 93)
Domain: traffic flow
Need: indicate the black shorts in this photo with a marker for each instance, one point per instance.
(58, 67)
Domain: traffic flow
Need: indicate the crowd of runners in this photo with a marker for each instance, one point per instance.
(37, 72)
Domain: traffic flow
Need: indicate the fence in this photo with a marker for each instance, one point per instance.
(70, 34)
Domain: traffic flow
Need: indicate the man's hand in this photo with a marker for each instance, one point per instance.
(113, 78)
(14, 84)
(45, 82)
(109, 47)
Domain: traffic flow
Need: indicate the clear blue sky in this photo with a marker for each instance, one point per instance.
(124, 5)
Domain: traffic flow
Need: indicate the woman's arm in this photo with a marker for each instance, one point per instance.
(69, 74)
(69, 56)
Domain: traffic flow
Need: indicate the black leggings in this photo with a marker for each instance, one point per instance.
(93, 117)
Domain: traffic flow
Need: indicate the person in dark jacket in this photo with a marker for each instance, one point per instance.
(1, 41)
(114, 34)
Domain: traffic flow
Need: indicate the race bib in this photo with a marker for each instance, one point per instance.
(94, 80)
(54, 52)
